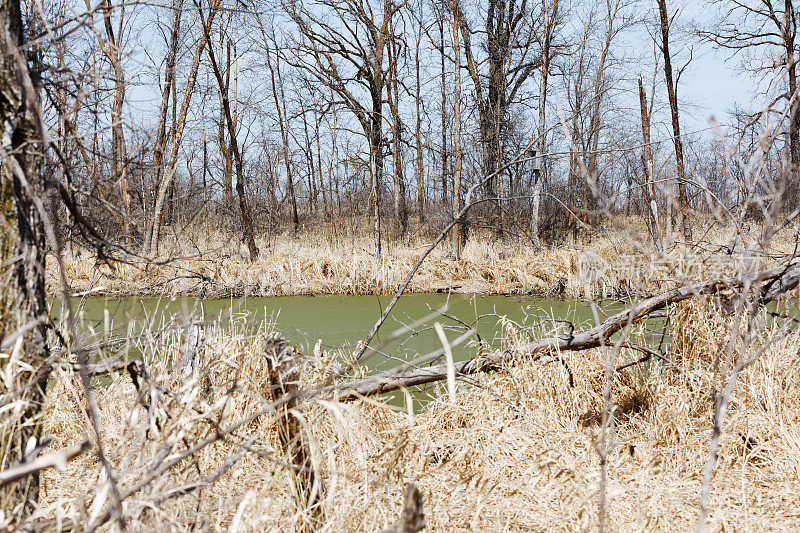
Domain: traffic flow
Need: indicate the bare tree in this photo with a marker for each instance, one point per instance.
(393, 98)
(551, 21)
(168, 87)
(348, 57)
(510, 32)
(647, 164)
(444, 115)
(589, 81)
(111, 47)
(457, 241)
(222, 126)
(767, 27)
(153, 235)
(672, 92)
(420, 163)
(280, 107)
(247, 221)
(614, 25)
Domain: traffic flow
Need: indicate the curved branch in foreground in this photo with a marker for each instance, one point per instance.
(765, 287)
(56, 459)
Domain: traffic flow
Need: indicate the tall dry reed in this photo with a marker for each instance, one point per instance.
(516, 451)
(612, 264)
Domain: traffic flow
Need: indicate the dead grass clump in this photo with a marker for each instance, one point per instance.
(631, 395)
(699, 331)
(513, 451)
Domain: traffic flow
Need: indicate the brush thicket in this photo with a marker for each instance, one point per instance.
(614, 263)
(517, 449)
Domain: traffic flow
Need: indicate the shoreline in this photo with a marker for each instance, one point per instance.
(317, 271)
(241, 292)
(608, 266)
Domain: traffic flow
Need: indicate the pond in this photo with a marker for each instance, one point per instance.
(339, 322)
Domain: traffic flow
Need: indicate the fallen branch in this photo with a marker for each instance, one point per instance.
(103, 368)
(773, 283)
(56, 459)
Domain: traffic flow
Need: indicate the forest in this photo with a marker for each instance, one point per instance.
(399, 265)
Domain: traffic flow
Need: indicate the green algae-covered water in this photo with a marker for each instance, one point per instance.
(339, 322)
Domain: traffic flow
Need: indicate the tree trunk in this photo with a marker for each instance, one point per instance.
(417, 131)
(550, 19)
(224, 146)
(151, 244)
(376, 168)
(647, 164)
(793, 186)
(683, 199)
(444, 113)
(23, 307)
(119, 168)
(285, 140)
(537, 185)
(457, 243)
(320, 176)
(490, 136)
(169, 80)
(247, 223)
(596, 118)
(312, 182)
(393, 93)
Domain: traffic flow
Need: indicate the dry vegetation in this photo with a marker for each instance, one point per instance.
(216, 428)
(515, 451)
(608, 265)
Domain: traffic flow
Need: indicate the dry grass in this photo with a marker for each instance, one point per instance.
(516, 452)
(615, 262)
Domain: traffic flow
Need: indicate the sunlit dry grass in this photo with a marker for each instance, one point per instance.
(617, 261)
(516, 451)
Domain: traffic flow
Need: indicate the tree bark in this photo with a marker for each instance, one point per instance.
(789, 29)
(672, 92)
(647, 164)
(23, 307)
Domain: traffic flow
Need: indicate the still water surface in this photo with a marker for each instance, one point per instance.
(341, 321)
